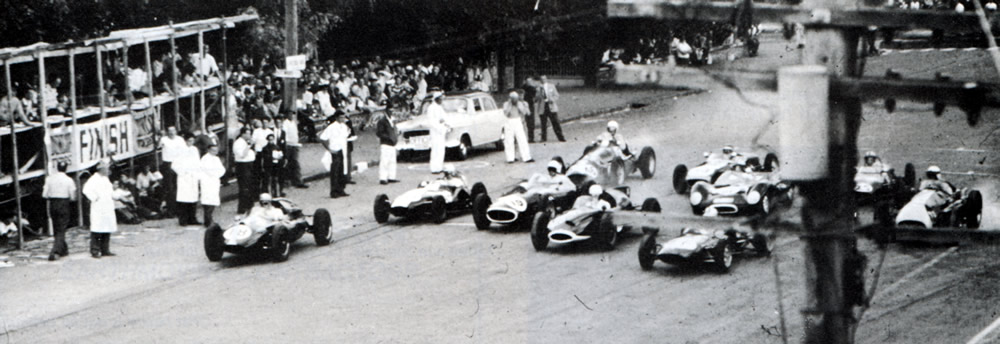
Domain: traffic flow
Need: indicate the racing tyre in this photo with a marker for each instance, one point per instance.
(321, 227)
(540, 231)
(651, 205)
(909, 176)
(723, 257)
(973, 210)
(698, 198)
(771, 162)
(647, 162)
(478, 188)
(280, 247)
(382, 208)
(214, 243)
(762, 244)
(647, 251)
(618, 172)
(480, 203)
(680, 179)
(439, 209)
(608, 236)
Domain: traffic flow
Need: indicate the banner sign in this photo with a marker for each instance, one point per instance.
(122, 136)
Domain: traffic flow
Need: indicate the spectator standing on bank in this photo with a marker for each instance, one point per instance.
(334, 138)
(59, 190)
(210, 183)
(186, 166)
(290, 126)
(388, 136)
(550, 98)
(98, 190)
(274, 165)
(531, 95)
(244, 156)
(172, 146)
(515, 109)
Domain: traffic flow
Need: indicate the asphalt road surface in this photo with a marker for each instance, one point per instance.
(411, 282)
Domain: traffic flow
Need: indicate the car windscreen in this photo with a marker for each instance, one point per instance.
(450, 105)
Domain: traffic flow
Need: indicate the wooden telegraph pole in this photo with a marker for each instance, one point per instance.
(291, 49)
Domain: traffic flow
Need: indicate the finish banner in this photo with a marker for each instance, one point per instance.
(121, 136)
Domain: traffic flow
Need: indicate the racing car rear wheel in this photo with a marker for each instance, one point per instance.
(382, 208)
(910, 175)
(723, 257)
(680, 179)
(280, 246)
(762, 244)
(214, 243)
(321, 227)
(439, 209)
(973, 209)
(647, 162)
(607, 236)
(651, 205)
(540, 231)
(478, 188)
(647, 251)
(771, 162)
(480, 203)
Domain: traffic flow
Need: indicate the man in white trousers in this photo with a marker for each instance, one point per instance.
(210, 183)
(438, 130)
(388, 136)
(515, 109)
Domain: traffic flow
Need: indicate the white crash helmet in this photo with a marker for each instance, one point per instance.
(595, 190)
(555, 164)
(871, 154)
(265, 198)
(728, 149)
(933, 169)
(612, 125)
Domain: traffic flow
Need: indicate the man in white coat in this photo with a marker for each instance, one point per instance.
(187, 170)
(210, 183)
(438, 130)
(98, 190)
(515, 109)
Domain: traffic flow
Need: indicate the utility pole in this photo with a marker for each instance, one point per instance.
(290, 91)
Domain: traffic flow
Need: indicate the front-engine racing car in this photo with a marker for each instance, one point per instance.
(939, 204)
(874, 180)
(518, 206)
(434, 199)
(606, 164)
(591, 217)
(270, 227)
(717, 163)
(739, 190)
(698, 246)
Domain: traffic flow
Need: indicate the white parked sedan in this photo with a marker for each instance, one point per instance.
(473, 116)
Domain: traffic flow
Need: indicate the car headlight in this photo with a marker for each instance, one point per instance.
(863, 187)
(753, 197)
(696, 198)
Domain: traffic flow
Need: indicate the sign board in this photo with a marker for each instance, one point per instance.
(295, 63)
(287, 74)
(124, 136)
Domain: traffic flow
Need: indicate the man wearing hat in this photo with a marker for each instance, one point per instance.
(438, 129)
(334, 138)
(98, 190)
(515, 109)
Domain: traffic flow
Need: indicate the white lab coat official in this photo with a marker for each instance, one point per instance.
(438, 131)
(210, 179)
(188, 171)
(98, 190)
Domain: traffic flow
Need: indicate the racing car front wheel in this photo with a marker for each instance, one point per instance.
(723, 257)
(647, 162)
(321, 227)
(478, 188)
(651, 205)
(647, 251)
(214, 243)
(680, 179)
(382, 208)
(973, 209)
(280, 247)
(480, 204)
(540, 231)
(608, 233)
(439, 209)
(762, 244)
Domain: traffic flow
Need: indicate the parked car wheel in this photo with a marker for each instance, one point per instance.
(540, 231)
(680, 179)
(647, 251)
(647, 162)
(280, 246)
(480, 203)
(439, 209)
(462, 151)
(382, 206)
(214, 243)
(321, 227)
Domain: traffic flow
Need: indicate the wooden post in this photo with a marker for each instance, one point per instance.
(201, 81)
(224, 140)
(100, 97)
(43, 113)
(173, 82)
(73, 134)
(828, 205)
(291, 48)
(150, 96)
(128, 103)
(17, 173)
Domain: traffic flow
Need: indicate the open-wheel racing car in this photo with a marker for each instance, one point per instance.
(518, 206)
(269, 229)
(875, 181)
(434, 199)
(699, 246)
(739, 190)
(717, 163)
(607, 164)
(591, 217)
(939, 204)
